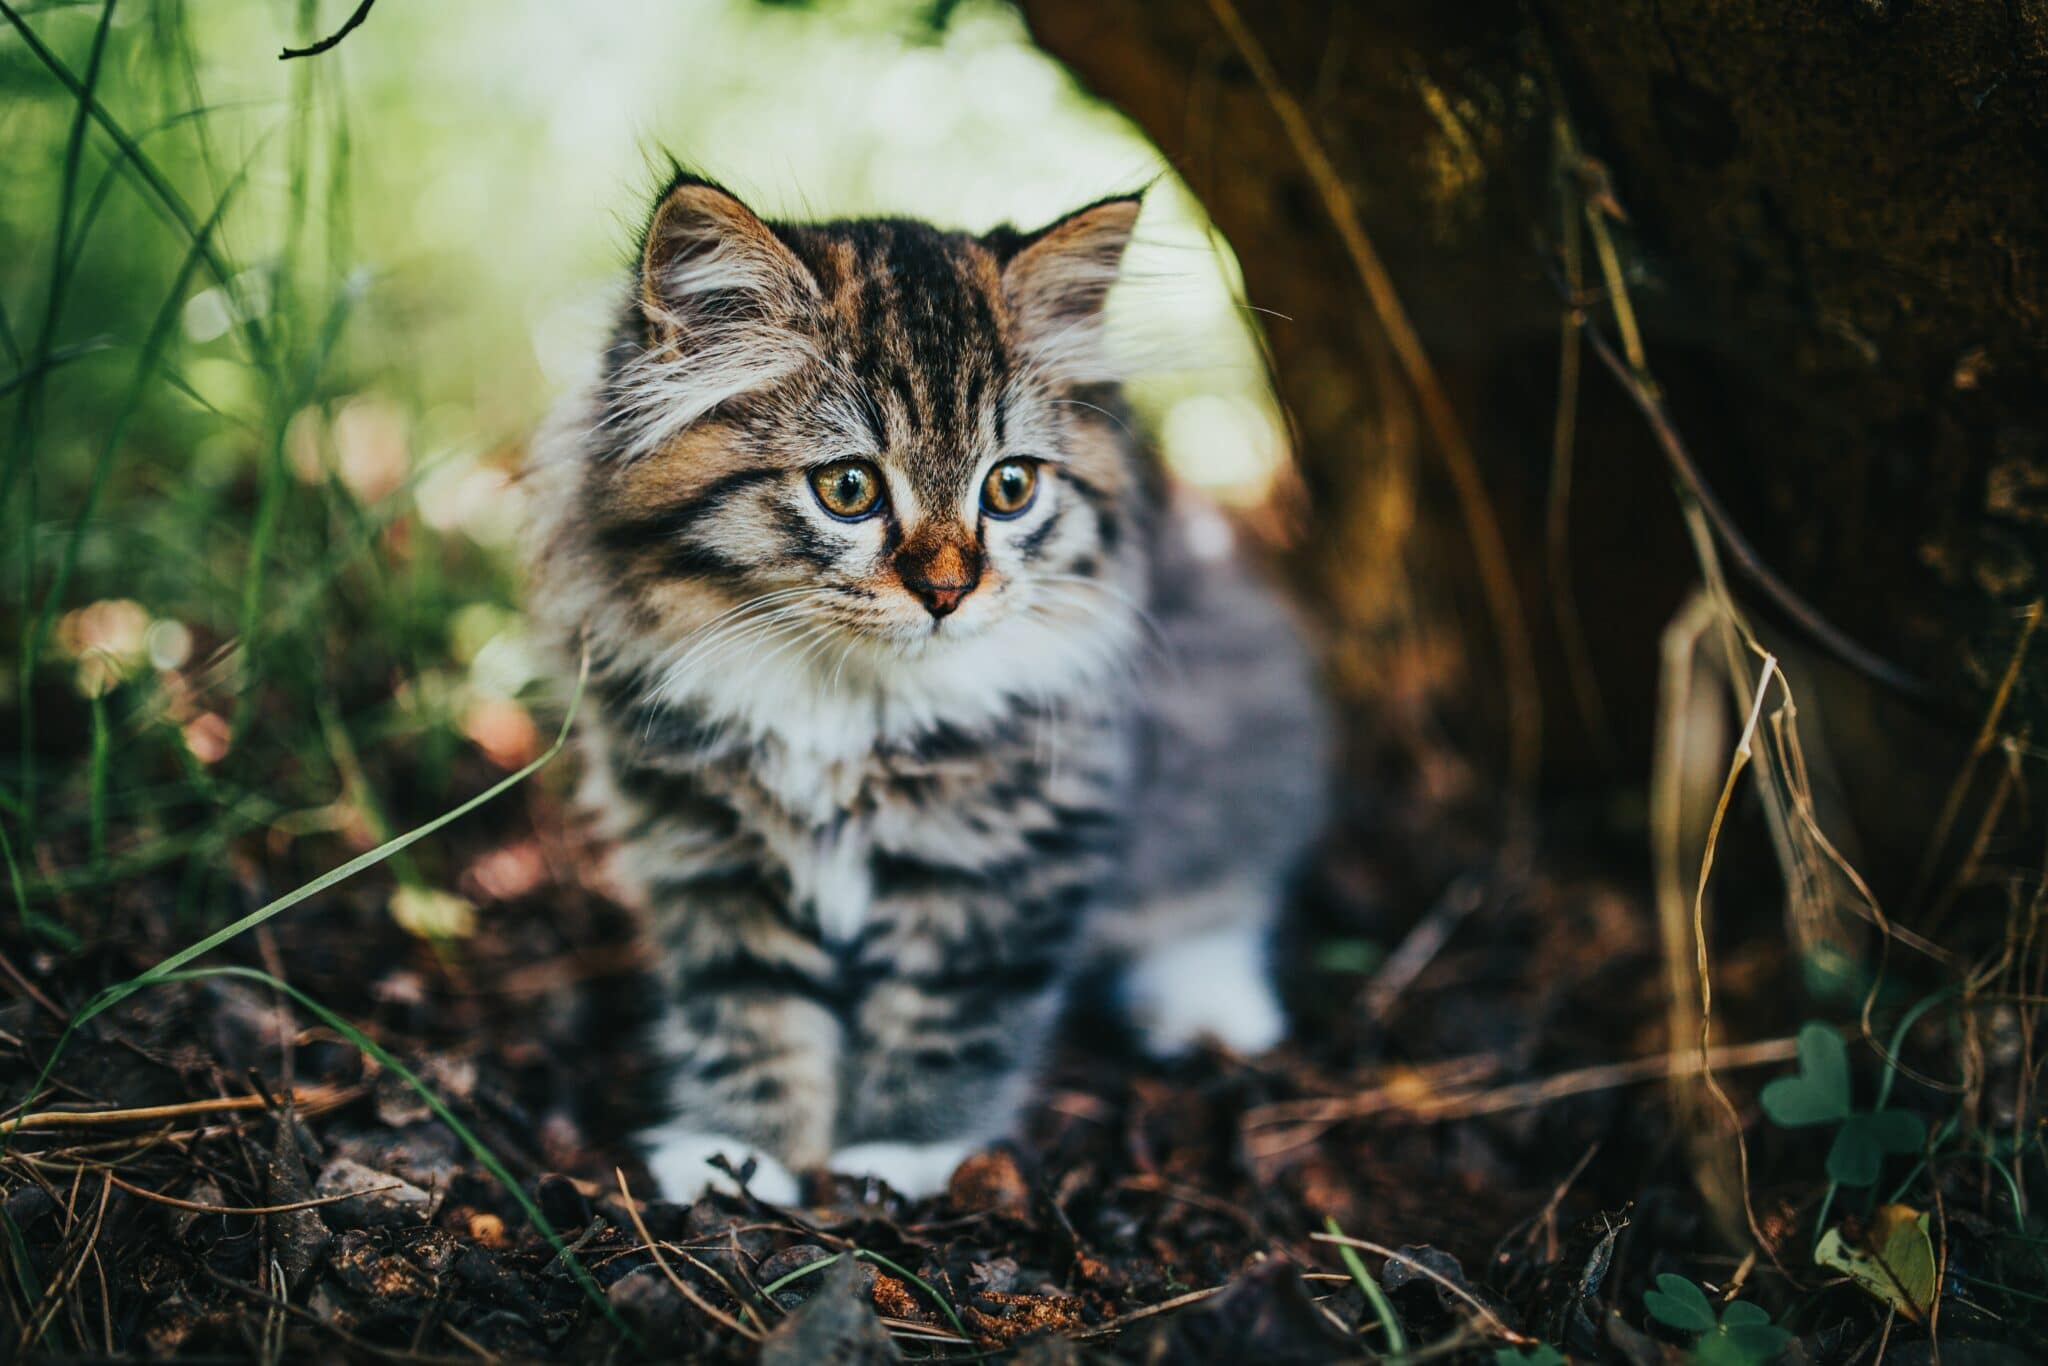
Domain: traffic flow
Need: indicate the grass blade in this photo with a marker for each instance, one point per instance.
(160, 333)
(920, 1282)
(56, 360)
(30, 920)
(114, 995)
(476, 1146)
(137, 163)
(1390, 1322)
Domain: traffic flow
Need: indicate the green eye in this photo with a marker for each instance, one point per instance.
(1009, 487)
(848, 489)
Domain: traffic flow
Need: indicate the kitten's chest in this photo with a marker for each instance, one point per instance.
(833, 816)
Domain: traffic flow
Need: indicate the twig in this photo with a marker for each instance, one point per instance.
(1745, 749)
(1489, 547)
(683, 1287)
(1676, 748)
(21, 983)
(715, 1274)
(1973, 856)
(1571, 634)
(53, 1298)
(483, 1353)
(1543, 1223)
(95, 1119)
(348, 26)
(306, 1315)
(198, 1207)
(1122, 1321)
(1375, 1296)
(922, 1332)
(1493, 1320)
(1522, 1095)
(1187, 1195)
(1422, 945)
(1746, 558)
(1951, 807)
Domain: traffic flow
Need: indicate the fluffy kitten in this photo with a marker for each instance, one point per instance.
(914, 688)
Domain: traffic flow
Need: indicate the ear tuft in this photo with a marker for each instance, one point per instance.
(726, 304)
(1056, 281)
(706, 252)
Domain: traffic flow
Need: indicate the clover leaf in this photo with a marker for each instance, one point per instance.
(1819, 1094)
(1542, 1354)
(1678, 1303)
(1743, 1335)
(1749, 1329)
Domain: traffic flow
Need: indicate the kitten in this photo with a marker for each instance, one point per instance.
(914, 689)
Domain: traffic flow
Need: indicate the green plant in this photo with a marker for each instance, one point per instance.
(864, 1255)
(1390, 1322)
(1542, 1354)
(1819, 1094)
(1741, 1335)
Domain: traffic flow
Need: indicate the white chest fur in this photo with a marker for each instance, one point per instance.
(825, 847)
(813, 732)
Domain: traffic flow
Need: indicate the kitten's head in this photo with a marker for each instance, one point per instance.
(875, 433)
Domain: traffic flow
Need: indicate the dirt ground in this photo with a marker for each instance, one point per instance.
(1453, 1102)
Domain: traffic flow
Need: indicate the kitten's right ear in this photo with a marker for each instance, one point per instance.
(708, 263)
(1056, 280)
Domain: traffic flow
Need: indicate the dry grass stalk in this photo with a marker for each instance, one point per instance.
(683, 1287)
(1492, 1321)
(1987, 733)
(1274, 1129)
(303, 1098)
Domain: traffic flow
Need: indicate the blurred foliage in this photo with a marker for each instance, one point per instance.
(272, 335)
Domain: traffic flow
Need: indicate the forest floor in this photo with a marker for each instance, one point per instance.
(1463, 1102)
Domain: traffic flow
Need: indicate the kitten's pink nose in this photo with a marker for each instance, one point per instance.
(941, 575)
(939, 601)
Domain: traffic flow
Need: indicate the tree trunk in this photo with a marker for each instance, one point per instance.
(1836, 224)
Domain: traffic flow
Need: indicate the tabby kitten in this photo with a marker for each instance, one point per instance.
(914, 689)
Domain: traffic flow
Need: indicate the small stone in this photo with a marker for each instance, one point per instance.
(646, 1301)
(402, 1203)
(785, 1262)
(834, 1326)
(564, 1205)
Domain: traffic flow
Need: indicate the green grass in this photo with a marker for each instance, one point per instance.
(277, 635)
(1375, 1298)
(196, 472)
(862, 1254)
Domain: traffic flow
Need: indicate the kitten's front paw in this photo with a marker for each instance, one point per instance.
(681, 1162)
(1214, 986)
(912, 1170)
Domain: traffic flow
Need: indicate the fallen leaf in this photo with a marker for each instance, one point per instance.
(1894, 1260)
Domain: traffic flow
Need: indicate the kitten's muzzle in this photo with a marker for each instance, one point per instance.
(941, 575)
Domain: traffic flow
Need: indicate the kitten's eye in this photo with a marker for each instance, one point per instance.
(1009, 488)
(848, 489)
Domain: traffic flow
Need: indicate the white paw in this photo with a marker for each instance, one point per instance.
(681, 1162)
(1212, 986)
(913, 1170)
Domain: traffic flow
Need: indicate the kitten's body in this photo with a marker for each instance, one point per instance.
(887, 782)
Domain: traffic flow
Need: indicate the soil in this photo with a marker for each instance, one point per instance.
(1149, 1213)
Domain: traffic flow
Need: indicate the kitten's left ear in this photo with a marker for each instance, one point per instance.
(1055, 281)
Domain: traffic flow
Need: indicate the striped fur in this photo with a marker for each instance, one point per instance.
(878, 838)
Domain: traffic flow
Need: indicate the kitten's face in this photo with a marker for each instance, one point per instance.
(865, 436)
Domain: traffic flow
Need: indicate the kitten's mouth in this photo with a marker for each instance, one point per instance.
(938, 633)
